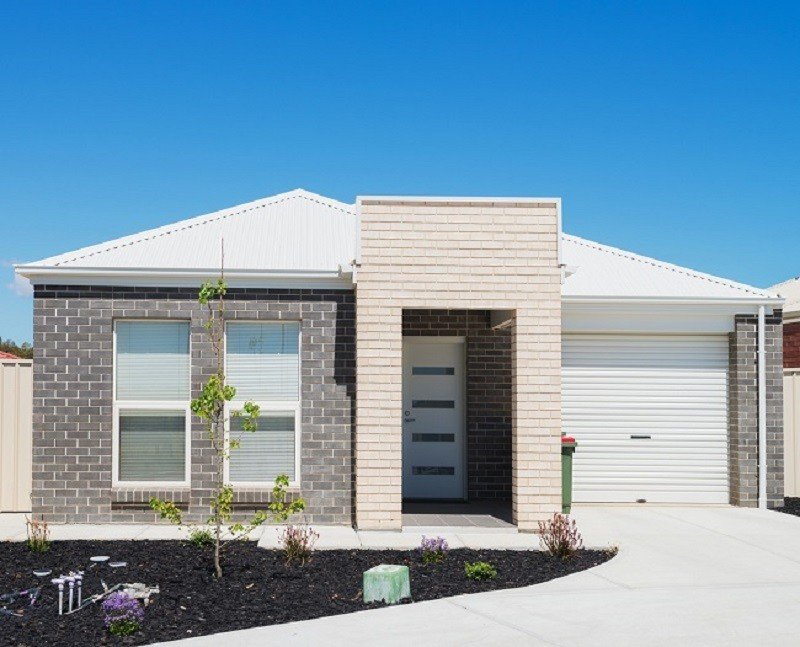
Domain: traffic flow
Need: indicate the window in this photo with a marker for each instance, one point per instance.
(151, 403)
(263, 364)
(265, 453)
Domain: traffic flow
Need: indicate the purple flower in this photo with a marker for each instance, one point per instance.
(433, 549)
(123, 614)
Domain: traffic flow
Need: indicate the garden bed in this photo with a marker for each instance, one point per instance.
(257, 588)
(791, 505)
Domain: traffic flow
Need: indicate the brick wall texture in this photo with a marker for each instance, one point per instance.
(743, 414)
(791, 345)
(454, 255)
(72, 416)
(488, 394)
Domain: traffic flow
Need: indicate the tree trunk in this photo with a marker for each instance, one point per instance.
(217, 516)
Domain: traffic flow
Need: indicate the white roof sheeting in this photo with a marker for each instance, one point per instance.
(790, 290)
(596, 271)
(296, 231)
(303, 235)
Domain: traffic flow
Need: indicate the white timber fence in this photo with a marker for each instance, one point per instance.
(791, 431)
(16, 409)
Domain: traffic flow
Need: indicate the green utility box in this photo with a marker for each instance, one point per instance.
(568, 445)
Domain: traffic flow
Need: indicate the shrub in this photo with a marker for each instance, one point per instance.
(201, 537)
(38, 535)
(298, 544)
(123, 614)
(559, 536)
(480, 571)
(433, 549)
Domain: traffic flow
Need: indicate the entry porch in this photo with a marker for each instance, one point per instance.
(467, 456)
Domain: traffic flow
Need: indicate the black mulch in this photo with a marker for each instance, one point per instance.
(791, 505)
(257, 588)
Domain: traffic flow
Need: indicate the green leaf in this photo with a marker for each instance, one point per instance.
(167, 510)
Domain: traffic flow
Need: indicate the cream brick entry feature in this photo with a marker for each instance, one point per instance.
(458, 253)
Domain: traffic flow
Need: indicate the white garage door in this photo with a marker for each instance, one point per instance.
(650, 415)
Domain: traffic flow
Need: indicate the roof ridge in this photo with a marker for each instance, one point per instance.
(647, 260)
(787, 282)
(204, 219)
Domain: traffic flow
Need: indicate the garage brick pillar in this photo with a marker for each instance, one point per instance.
(743, 410)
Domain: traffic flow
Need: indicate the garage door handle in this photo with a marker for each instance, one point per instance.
(638, 437)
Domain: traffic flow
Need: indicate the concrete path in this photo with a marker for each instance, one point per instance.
(684, 576)
(12, 528)
(338, 537)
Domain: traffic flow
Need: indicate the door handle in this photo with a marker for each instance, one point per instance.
(640, 437)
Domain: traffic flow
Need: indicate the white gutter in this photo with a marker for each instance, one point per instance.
(754, 300)
(762, 411)
(32, 271)
(171, 277)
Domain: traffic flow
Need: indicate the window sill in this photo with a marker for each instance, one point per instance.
(142, 494)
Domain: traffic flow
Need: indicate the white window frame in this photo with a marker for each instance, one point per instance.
(267, 407)
(119, 406)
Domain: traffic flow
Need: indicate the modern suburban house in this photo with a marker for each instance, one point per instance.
(400, 348)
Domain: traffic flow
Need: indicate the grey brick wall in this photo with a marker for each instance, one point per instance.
(72, 419)
(488, 394)
(743, 411)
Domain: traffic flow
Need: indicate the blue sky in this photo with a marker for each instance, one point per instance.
(670, 129)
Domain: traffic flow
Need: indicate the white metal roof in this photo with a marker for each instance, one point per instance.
(789, 290)
(597, 271)
(296, 232)
(311, 238)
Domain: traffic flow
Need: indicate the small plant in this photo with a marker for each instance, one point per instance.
(559, 536)
(38, 535)
(279, 509)
(480, 571)
(433, 549)
(201, 537)
(123, 614)
(298, 544)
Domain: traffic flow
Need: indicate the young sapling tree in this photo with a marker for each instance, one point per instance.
(211, 406)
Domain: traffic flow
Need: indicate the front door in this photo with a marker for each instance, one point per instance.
(434, 465)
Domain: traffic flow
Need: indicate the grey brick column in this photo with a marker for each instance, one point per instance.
(743, 410)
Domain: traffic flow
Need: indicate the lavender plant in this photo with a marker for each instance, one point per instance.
(433, 549)
(298, 544)
(559, 536)
(123, 614)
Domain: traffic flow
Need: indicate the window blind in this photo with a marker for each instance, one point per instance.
(152, 445)
(265, 453)
(152, 360)
(263, 360)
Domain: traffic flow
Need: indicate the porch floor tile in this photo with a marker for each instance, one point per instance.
(479, 514)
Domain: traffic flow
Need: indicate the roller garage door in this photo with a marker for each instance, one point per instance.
(650, 414)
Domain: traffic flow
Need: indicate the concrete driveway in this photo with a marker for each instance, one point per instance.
(683, 576)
